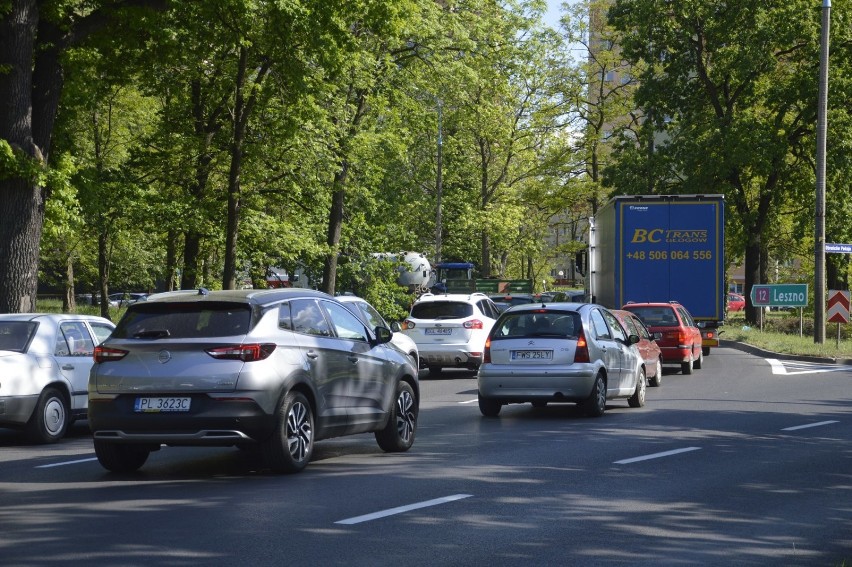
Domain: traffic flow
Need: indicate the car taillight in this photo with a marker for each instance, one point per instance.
(407, 324)
(682, 337)
(581, 352)
(105, 354)
(486, 354)
(246, 353)
(473, 324)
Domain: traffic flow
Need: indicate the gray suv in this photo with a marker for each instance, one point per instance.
(274, 370)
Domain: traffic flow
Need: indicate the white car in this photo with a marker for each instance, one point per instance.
(368, 314)
(45, 360)
(450, 329)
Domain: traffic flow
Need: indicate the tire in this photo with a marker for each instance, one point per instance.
(705, 351)
(291, 445)
(658, 377)
(398, 434)
(120, 458)
(489, 407)
(700, 361)
(595, 405)
(50, 418)
(637, 400)
(686, 367)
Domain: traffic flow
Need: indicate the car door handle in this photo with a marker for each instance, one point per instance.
(311, 354)
(67, 367)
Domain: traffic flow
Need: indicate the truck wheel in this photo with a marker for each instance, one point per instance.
(637, 400)
(686, 367)
(50, 418)
(595, 405)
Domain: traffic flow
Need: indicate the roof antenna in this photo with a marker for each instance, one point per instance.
(203, 291)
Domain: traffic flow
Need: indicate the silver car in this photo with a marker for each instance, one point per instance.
(274, 369)
(45, 360)
(560, 352)
(372, 318)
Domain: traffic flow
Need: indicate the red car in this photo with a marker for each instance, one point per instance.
(680, 340)
(736, 302)
(648, 348)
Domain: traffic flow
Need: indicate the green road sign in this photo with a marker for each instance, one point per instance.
(780, 295)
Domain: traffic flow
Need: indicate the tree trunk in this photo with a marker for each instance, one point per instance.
(103, 272)
(171, 260)
(335, 225)
(69, 300)
(191, 249)
(752, 275)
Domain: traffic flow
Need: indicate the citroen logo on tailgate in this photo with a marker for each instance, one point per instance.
(164, 356)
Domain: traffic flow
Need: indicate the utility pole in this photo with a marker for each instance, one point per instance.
(819, 224)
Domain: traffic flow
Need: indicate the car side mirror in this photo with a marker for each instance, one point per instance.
(632, 339)
(396, 327)
(383, 335)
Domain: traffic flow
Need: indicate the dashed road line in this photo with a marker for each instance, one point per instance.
(402, 509)
(66, 463)
(809, 425)
(657, 455)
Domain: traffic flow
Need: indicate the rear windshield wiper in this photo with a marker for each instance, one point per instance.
(152, 334)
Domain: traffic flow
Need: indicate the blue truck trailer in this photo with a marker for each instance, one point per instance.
(660, 248)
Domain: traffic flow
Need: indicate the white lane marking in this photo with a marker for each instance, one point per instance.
(818, 424)
(470, 401)
(792, 367)
(401, 509)
(66, 463)
(657, 455)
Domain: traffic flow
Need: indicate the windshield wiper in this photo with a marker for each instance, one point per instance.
(152, 334)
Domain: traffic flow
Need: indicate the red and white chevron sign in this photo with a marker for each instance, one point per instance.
(838, 306)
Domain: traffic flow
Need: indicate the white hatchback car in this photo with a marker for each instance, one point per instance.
(45, 361)
(450, 329)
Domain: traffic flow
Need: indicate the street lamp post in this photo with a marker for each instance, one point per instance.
(819, 228)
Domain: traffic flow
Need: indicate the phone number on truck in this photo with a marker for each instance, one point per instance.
(671, 255)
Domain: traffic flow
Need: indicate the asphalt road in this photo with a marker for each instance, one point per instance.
(745, 462)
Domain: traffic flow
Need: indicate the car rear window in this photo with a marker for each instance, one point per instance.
(537, 324)
(15, 336)
(441, 310)
(655, 316)
(184, 320)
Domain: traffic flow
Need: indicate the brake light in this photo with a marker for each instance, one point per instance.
(581, 351)
(407, 324)
(682, 337)
(709, 334)
(486, 354)
(246, 353)
(106, 354)
(473, 324)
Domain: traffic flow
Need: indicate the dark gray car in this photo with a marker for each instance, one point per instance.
(272, 369)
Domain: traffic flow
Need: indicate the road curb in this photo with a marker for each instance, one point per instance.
(780, 355)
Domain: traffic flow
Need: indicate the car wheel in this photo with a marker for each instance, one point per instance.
(705, 351)
(489, 407)
(595, 405)
(637, 400)
(289, 448)
(658, 377)
(434, 370)
(539, 404)
(50, 418)
(398, 434)
(700, 361)
(117, 457)
(686, 367)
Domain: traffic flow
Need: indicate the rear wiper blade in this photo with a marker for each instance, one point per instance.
(152, 334)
